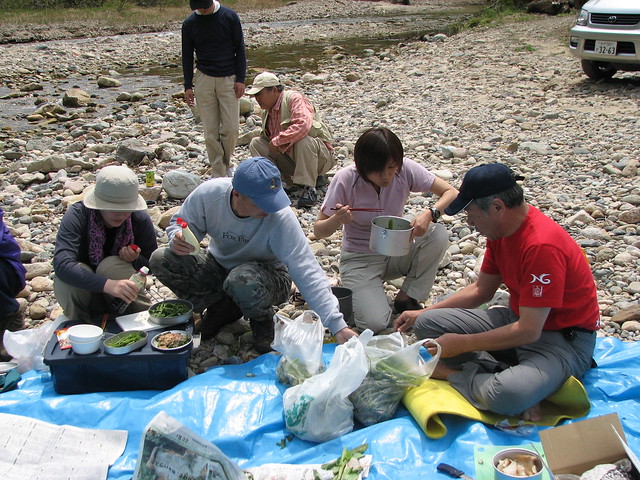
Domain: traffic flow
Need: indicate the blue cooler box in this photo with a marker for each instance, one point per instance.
(142, 369)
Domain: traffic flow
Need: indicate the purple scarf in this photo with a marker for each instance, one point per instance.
(98, 237)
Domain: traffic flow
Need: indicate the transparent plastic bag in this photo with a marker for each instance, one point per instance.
(319, 409)
(27, 346)
(394, 366)
(299, 340)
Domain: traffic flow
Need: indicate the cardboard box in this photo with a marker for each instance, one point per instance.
(580, 446)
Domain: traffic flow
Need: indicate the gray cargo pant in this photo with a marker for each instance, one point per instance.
(541, 369)
(254, 287)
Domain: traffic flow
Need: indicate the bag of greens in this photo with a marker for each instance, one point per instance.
(394, 366)
(299, 340)
(319, 409)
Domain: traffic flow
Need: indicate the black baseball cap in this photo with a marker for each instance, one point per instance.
(482, 181)
(200, 4)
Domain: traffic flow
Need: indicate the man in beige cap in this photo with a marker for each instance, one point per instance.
(293, 136)
(101, 242)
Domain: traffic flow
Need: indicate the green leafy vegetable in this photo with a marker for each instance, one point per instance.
(283, 443)
(390, 224)
(341, 469)
(169, 309)
(125, 340)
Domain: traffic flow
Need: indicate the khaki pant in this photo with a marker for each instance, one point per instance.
(301, 165)
(219, 111)
(81, 304)
(365, 274)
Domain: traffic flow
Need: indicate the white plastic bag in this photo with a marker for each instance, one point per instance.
(319, 409)
(394, 366)
(299, 340)
(27, 346)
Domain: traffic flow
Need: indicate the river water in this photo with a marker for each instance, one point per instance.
(355, 35)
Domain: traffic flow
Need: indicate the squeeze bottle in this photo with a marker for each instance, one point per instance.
(189, 236)
(140, 279)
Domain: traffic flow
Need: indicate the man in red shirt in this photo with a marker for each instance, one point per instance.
(293, 136)
(548, 330)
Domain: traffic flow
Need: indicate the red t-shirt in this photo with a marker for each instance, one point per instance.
(542, 266)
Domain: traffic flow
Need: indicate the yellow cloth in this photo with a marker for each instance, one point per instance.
(436, 397)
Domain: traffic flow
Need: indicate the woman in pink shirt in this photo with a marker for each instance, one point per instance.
(382, 179)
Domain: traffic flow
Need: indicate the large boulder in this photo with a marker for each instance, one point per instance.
(179, 183)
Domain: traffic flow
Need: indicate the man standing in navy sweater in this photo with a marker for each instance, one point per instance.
(214, 33)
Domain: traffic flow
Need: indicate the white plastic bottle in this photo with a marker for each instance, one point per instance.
(189, 236)
(140, 279)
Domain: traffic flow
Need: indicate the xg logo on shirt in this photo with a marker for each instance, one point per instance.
(538, 289)
(541, 278)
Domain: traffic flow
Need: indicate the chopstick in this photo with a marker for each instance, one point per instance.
(352, 209)
(104, 320)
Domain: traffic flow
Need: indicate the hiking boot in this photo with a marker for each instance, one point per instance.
(308, 197)
(322, 181)
(12, 322)
(217, 315)
(291, 189)
(263, 332)
(408, 304)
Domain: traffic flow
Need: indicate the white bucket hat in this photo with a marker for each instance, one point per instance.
(265, 79)
(116, 190)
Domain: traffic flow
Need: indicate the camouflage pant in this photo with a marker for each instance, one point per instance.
(255, 287)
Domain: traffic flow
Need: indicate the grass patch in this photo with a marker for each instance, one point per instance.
(493, 14)
(525, 48)
(122, 12)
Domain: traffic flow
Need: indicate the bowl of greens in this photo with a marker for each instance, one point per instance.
(170, 312)
(125, 342)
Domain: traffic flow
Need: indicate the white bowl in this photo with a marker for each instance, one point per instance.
(84, 333)
(85, 348)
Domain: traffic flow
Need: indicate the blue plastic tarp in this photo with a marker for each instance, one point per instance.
(239, 409)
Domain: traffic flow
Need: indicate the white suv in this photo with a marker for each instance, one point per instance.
(606, 37)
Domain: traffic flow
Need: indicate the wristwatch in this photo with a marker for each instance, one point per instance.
(435, 214)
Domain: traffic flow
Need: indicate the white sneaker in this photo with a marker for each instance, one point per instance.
(230, 171)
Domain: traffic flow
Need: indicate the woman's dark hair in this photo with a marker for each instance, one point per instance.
(375, 148)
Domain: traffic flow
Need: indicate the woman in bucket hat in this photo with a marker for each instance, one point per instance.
(101, 242)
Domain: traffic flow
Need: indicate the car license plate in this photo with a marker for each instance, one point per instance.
(605, 48)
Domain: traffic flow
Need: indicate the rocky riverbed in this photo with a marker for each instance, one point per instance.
(510, 93)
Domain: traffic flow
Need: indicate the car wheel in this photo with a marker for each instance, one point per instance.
(598, 70)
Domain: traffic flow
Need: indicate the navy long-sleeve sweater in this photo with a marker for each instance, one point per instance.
(218, 42)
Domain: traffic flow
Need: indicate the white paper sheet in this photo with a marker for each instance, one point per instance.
(39, 450)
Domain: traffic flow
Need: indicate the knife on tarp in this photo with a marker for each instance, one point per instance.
(452, 471)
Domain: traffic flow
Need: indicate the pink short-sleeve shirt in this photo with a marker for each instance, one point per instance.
(349, 188)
